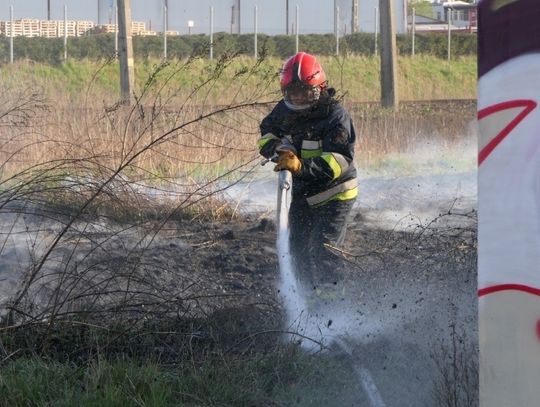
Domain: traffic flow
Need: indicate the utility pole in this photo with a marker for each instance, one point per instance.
(376, 19)
(235, 17)
(49, 10)
(116, 31)
(165, 28)
(389, 97)
(297, 25)
(337, 31)
(211, 32)
(11, 35)
(413, 30)
(98, 12)
(65, 33)
(125, 51)
(335, 18)
(167, 8)
(449, 21)
(255, 29)
(355, 25)
(238, 1)
(287, 17)
(232, 18)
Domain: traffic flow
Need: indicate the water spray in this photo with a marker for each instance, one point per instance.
(292, 298)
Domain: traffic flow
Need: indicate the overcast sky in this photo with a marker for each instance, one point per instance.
(316, 16)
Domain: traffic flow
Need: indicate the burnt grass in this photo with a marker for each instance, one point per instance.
(217, 285)
(203, 296)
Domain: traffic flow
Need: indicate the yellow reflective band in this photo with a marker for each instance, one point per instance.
(310, 153)
(342, 196)
(265, 139)
(333, 164)
(343, 191)
(350, 194)
(311, 149)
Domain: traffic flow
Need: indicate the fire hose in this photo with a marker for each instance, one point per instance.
(284, 186)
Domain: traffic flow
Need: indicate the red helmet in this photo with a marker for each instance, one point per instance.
(302, 79)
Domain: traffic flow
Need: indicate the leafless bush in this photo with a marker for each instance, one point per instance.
(91, 188)
(457, 365)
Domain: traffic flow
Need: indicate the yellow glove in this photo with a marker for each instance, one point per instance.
(287, 160)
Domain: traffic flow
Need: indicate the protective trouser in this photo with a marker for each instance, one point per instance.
(312, 227)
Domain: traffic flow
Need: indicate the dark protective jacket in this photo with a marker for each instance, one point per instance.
(324, 137)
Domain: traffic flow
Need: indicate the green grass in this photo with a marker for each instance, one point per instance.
(284, 377)
(420, 77)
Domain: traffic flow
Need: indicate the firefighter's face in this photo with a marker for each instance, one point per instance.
(301, 95)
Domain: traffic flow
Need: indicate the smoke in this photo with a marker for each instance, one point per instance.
(23, 240)
(411, 189)
(398, 192)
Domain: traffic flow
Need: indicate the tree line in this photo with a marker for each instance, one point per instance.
(51, 50)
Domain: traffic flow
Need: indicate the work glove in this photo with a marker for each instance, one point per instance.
(287, 160)
(285, 144)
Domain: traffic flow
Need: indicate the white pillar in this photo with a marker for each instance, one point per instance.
(449, 20)
(255, 53)
(11, 34)
(297, 25)
(116, 30)
(376, 51)
(337, 30)
(211, 32)
(165, 28)
(413, 29)
(65, 33)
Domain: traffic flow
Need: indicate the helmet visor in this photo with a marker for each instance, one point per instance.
(299, 96)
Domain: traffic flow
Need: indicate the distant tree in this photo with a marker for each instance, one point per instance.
(285, 45)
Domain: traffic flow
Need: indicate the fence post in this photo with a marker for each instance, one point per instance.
(297, 25)
(65, 33)
(376, 29)
(449, 20)
(211, 32)
(116, 31)
(413, 29)
(337, 30)
(165, 30)
(11, 34)
(255, 53)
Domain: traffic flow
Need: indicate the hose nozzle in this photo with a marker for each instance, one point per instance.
(267, 160)
(285, 179)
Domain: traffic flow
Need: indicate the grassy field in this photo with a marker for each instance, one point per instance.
(196, 118)
(419, 78)
(276, 378)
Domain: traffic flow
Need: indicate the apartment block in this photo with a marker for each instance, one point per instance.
(49, 29)
(137, 28)
(45, 28)
(83, 27)
(21, 28)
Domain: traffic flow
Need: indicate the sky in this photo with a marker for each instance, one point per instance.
(316, 16)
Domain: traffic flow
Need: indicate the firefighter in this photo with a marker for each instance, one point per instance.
(310, 134)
